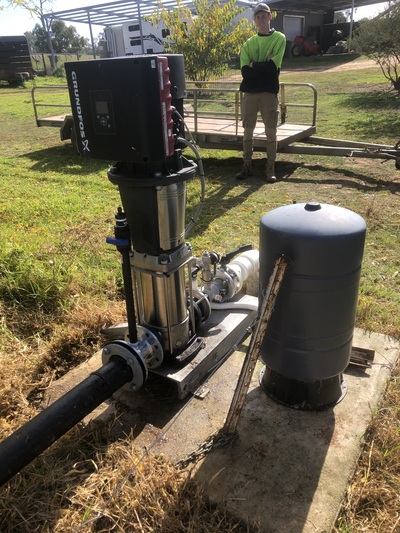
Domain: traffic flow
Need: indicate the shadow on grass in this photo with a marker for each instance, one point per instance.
(373, 100)
(221, 175)
(340, 176)
(224, 192)
(64, 159)
(378, 117)
(218, 169)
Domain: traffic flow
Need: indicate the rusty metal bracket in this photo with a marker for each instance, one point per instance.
(362, 357)
(252, 354)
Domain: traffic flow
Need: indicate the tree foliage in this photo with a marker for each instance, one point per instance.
(379, 39)
(12, 3)
(65, 39)
(207, 38)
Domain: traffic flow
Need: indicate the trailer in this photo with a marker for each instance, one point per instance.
(15, 60)
(212, 113)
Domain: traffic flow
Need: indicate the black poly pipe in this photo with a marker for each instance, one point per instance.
(29, 441)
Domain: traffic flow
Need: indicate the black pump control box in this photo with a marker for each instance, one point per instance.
(122, 108)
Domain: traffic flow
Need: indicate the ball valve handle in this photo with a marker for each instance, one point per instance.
(228, 257)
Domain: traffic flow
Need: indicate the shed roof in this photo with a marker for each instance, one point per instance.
(319, 5)
(121, 11)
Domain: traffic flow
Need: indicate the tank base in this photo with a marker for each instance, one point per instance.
(315, 395)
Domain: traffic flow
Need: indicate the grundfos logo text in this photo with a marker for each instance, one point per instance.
(81, 125)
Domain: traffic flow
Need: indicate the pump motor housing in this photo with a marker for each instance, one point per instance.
(122, 107)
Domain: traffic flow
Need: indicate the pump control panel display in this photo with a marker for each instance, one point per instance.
(102, 111)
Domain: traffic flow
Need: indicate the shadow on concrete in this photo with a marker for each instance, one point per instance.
(154, 407)
(271, 472)
(150, 409)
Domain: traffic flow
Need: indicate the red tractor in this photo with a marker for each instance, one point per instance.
(305, 47)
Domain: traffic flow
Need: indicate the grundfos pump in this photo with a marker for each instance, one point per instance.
(164, 300)
(151, 177)
(130, 110)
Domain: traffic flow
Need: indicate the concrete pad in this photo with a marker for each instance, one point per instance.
(287, 469)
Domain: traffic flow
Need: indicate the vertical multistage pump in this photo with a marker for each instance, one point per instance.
(130, 110)
(160, 258)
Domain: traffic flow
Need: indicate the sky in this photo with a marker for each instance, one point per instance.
(16, 21)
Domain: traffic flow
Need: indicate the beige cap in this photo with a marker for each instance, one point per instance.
(261, 7)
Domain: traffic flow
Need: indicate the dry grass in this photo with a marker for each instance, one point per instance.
(88, 481)
(46, 351)
(372, 502)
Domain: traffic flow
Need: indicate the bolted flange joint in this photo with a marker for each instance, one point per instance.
(149, 347)
(132, 357)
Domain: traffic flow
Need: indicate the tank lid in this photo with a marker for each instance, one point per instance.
(312, 206)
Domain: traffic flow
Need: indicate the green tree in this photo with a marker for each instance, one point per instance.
(379, 39)
(65, 39)
(207, 38)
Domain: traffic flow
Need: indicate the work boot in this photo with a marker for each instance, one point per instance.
(270, 172)
(245, 172)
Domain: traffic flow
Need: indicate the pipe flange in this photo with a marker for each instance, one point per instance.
(149, 347)
(133, 359)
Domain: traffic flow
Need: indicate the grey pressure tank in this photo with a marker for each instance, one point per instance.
(308, 342)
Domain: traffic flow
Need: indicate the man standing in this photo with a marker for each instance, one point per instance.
(260, 61)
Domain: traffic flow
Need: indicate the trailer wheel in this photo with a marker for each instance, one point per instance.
(397, 163)
(297, 50)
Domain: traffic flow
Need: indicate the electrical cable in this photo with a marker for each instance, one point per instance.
(192, 145)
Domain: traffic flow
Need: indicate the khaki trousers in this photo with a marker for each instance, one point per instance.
(267, 105)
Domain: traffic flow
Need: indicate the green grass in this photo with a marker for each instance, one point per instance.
(56, 211)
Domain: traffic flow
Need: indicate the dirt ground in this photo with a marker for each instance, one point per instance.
(356, 64)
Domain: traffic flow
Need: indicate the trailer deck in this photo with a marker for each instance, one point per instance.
(225, 135)
(213, 116)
